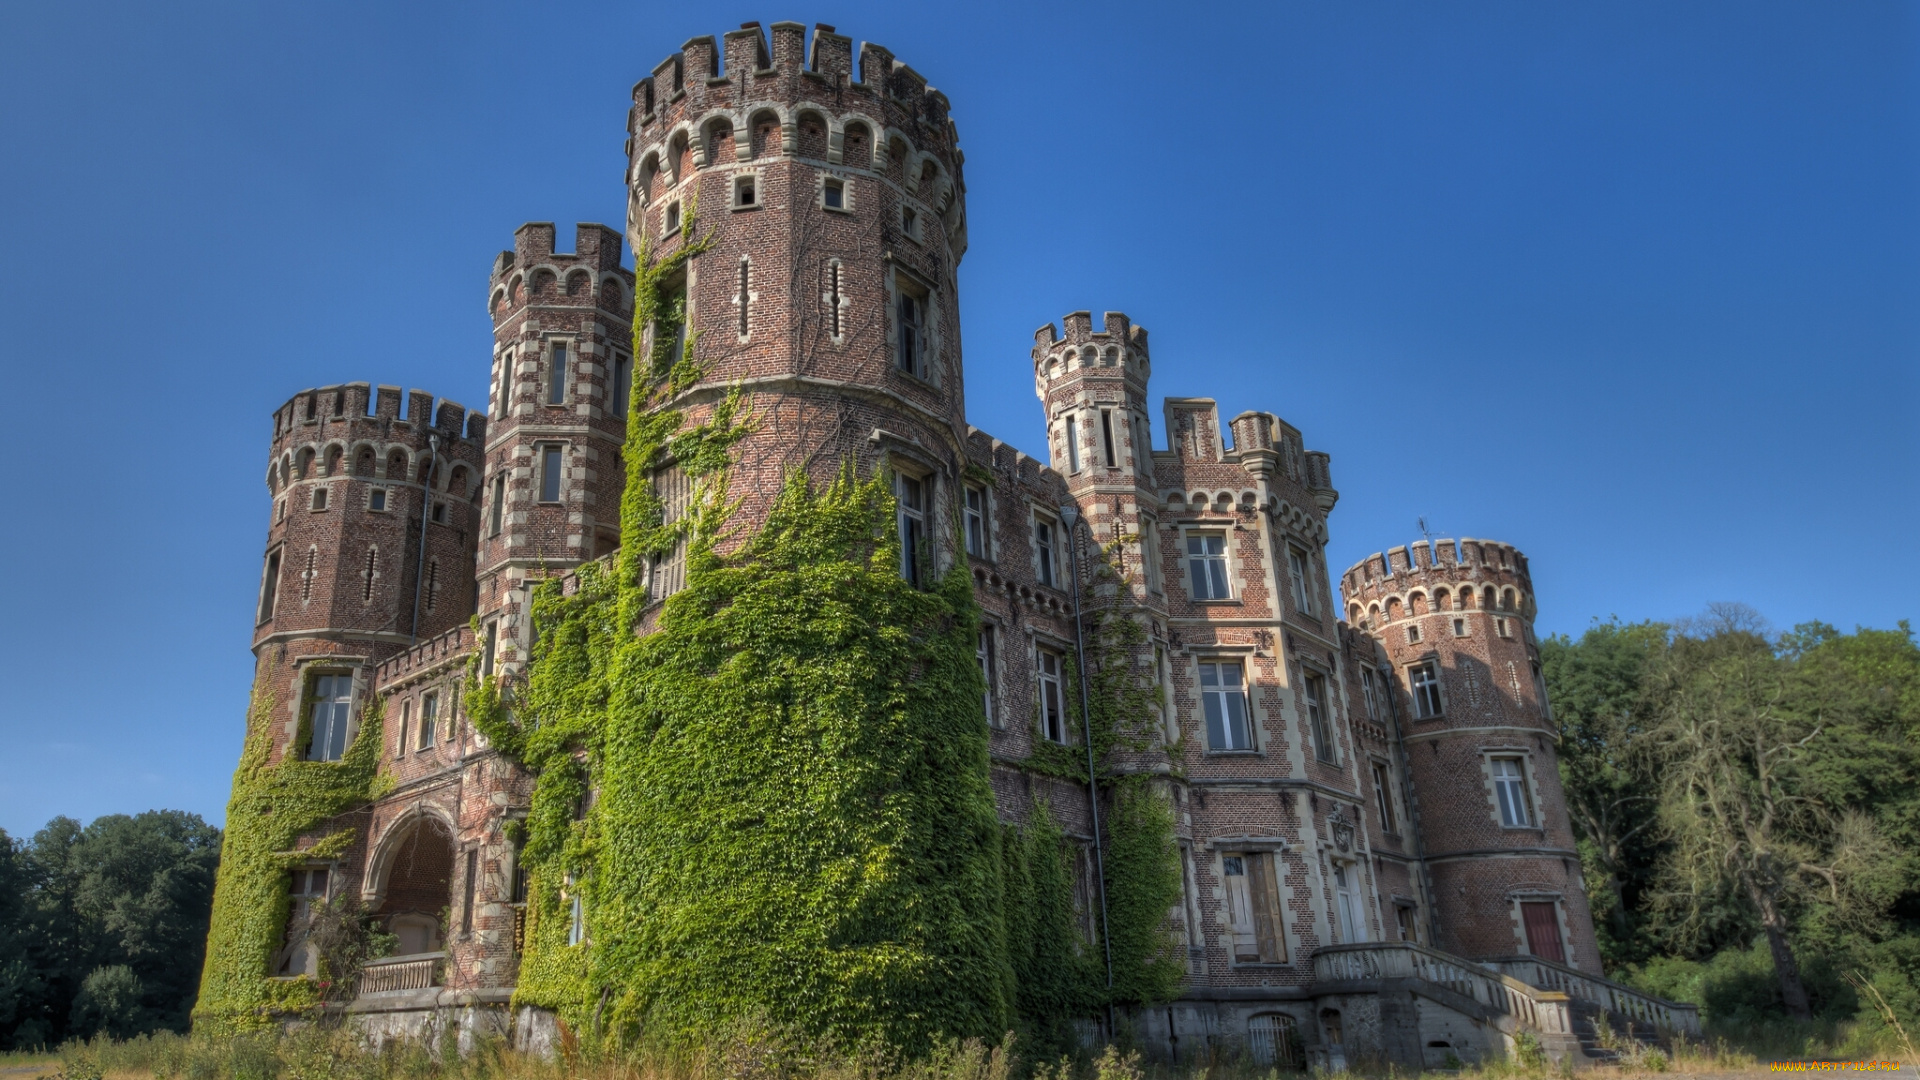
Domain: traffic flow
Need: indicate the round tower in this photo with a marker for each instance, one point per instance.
(1455, 624)
(828, 214)
(349, 579)
(562, 369)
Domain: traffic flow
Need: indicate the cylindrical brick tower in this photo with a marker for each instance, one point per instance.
(830, 217)
(347, 582)
(1456, 624)
(562, 366)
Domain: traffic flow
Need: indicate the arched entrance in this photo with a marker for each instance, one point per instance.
(412, 884)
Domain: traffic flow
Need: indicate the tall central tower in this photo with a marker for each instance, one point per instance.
(828, 211)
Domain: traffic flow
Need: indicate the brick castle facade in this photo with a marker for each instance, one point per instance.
(1372, 764)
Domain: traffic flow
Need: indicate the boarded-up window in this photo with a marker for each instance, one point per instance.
(1543, 930)
(670, 566)
(1253, 908)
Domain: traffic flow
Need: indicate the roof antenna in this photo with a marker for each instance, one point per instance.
(1425, 531)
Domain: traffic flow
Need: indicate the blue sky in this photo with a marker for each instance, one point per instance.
(1631, 286)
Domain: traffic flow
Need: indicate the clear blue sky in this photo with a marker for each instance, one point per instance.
(1631, 286)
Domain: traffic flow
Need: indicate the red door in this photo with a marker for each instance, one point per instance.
(1543, 931)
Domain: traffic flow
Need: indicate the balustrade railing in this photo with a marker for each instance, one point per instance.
(1640, 1008)
(415, 971)
(1537, 1009)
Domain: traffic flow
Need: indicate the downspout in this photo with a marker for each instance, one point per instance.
(1071, 515)
(426, 512)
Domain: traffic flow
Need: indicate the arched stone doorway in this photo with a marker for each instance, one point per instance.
(411, 886)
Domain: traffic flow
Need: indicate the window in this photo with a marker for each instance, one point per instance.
(557, 374)
(912, 317)
(744, 195)
(910, 222)
(669, 568)
(622, 383)
(1501, 627)
(492, 647)
(1167, 718)
(911, 493)
(1370, 689)
(1106, 438)
(1073, 443)
(1425, 680)
(1207, 562)
(439, 513)
(1253, 908)
(1346, 909)
(499, 504)
(1510, 790)
(672, 224)
(1413, 634)
(833, 298)
(503, 388)
(1043, 542)
(1408, 918)
(976, 514)
(1053, 711)
(833, 194)
(1459, 627)
(308, 885)
(576, 914)
(984, 654)
(1302, 583)
(1225, 702)
(466, 909)
(429, 719)
(1313, 694)
(1540, 688)
(319, 498)
(406, 726)
(1542, 924)
(550, 472)
(744, 301)
(269, 587)
(1150, 552)
(377, 500)
(332, 696)
(1383, 796)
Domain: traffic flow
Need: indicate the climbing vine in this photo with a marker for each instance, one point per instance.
(272, 806)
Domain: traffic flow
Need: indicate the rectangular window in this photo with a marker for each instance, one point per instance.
(492, 647)
(622, 383)
(557, 374)
(319, 498)
(576, 914)
(429, 720)
(1413, 634)
(744, 195)
(669, 568)
(671, 222)
(1150, 552)
(1500, 627)
(498, 510)
(550, 470)
(1408, 918)
(473, 872)
(1073, 443)
(504, 384)
(1253, 908)
(1043, 542)
(910, 222)
(1510, 789)
(833, 194)
(1224, 699)
(1313, 693)
(911, 493)
(1106, 438)
(269, 587)
(406, 726)
(1207, 563)
(1424, 678)
(1346, 908)
(377, 499)
(439, 513)
(984, 654)
(977, 522)
(911, 313)
(332, 697)
(1542, 923)
(1053, 705)
(1302, 584)
(1370, 690)
(1459, 627)
(1383, 796)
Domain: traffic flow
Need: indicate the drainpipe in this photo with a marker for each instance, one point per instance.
(426, 512)
(1071, 515)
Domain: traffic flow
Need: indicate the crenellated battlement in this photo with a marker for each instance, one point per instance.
(1388, 581)
(747, 55)
(1120, 349)
(534, 273)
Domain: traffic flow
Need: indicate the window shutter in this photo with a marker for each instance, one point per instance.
(1266, 911)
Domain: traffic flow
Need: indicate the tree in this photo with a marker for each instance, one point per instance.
(1735, 807)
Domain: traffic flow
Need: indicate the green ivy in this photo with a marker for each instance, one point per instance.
(272, 806)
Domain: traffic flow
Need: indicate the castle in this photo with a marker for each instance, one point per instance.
(1374, 852)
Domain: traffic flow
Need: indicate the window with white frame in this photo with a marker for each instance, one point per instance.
(976, 514)
(668, 569)
(1253, 907)
(1207, 565)
(910, 492)
(1053, 700)
(1346, 904)
(1302, 582)
(1313, 696)
(551, 471)
(307, 887)
(1370, 690)
(1510, 791)
(1046, 538)
(1424, 680)
(1223, 698)
(557, 353)
(1383, 796)
(332, 702)
(429, 719)
(983, 653)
